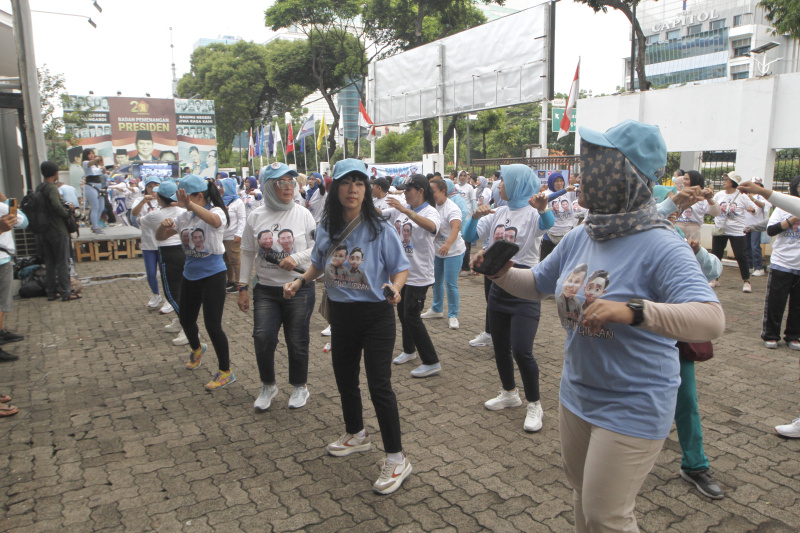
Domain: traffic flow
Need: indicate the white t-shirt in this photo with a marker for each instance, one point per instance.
(563, 213)
(275, 235)
(250, 202)
(199, 239)
(467, 192)
(150, 222)
(316, 204)
(237, 212)
(760, 214)
(520, 226)
(418, 243)
(694, 214)
(148, 237)
(485, 198)
(380, 203)
(733, 211)
(448, 212)
(786, 248)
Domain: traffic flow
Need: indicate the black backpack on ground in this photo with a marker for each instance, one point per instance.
(35, 207)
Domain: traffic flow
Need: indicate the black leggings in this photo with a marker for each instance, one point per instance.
(210, 294)
(739, 247)
(172, 260)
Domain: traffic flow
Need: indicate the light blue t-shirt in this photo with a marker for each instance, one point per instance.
(624, 379)
(357, 272)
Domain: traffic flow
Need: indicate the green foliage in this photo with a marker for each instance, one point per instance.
(785, 14)
(51, 89)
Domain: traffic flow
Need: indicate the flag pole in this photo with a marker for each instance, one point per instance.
(316, 159)
(305, 157)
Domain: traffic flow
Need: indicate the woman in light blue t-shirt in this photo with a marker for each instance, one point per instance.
(621, 371)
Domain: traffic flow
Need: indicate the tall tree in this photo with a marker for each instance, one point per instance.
(785, 14)
(627, 7)
(406, 24)
(237, 78)
(335, 43)
(52, 87)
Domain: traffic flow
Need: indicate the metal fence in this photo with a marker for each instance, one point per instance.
(562, 162)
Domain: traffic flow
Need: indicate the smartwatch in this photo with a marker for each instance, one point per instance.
(637, 306)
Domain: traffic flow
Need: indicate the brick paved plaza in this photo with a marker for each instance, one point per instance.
(114, 434)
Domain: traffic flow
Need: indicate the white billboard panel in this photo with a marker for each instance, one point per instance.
(498, 64)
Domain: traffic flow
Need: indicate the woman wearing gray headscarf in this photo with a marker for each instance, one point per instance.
(621, 371)
(278, 237)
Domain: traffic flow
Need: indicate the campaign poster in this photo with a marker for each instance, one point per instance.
(125, 129)
(391, 170)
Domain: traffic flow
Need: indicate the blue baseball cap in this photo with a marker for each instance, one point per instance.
(346, 166)
(167, 189)
(152, 179)
(642, 144)
(275, 170)
(192, 184)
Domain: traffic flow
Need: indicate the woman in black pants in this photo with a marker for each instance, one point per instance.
(730, 223)
(365, 269)
(201, 229)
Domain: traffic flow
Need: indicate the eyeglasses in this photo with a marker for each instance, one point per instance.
(284, 184)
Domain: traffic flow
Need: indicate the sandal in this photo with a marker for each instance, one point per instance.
(8, 410)
(72, 296)
(5, 398)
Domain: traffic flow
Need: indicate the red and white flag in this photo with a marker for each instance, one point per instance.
(365, 122)
(566, 121)
(290, 140)
(251, 147)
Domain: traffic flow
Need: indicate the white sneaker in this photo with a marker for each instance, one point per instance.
(430, 313)
(746, 287)
(392, 475)
(533, 420)
(423, 371)
(404, 358)
(453, 322)
(264, 400)
(713, 283)
(155, 301)
(180, 340)
(174, 326)
(758, 272)
(484, 339)
(503, 400)
(166, 308)
(299, 397)
(326, 332)
(348, 444)
(771, 344)
(790, 430)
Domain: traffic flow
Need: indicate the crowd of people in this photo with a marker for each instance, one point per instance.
(633, 328)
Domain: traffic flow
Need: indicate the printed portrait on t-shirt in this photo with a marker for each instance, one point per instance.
(498, 233)
(723, 208)
(510, 234)
(265, 241)
(193, 241)
(732, 209)
(286, 241)
(186, 240)
(596, 285)
(569, 308)
(565, 208)
(354, 275)
(556, 207)
(199, 240)
(336, 269)
(686, 216)
(405, 235)
(398, 228)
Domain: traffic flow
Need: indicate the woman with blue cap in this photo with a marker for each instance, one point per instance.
(170, 252)
(232, 238)
(513, 321)
(620, 378)
(149, 244)
(365, 269)
(200, 230)
(278, 238)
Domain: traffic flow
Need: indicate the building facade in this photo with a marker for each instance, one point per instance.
(709, 41)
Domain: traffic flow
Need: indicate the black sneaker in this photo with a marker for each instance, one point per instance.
(231, 289)
(702, 480)
(6, 357)
(7, 336)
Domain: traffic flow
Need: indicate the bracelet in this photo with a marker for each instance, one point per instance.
(413, 215)
(302, 281)
(242, 287)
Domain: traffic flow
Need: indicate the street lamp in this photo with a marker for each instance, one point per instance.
(97, 6)
(89, 20)
(763, 66)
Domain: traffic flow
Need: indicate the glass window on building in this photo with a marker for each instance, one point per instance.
(696, 29)
(741, 47)
(673, 34)
(740, 72)
(652, 39)
(741, 20)
(717, 24)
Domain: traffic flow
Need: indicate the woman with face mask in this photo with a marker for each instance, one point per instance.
(621, 369)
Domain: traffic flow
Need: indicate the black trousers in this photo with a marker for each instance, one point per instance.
(780, 287)
(55, 249)
(547, 247)
(415, 334)
(487, 285)
(172, 261)
(368, 327)
(208, 293)
(739, 247)
(465, 262)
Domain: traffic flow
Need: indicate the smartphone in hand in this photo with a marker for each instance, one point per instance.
(12, 206)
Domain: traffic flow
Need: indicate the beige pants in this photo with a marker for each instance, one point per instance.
(606, 471)
(233, 259)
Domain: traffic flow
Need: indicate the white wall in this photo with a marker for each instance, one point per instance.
(753, 117)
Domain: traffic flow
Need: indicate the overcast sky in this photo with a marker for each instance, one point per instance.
(129, 51)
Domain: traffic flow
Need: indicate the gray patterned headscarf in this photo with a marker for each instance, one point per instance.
(618, 195)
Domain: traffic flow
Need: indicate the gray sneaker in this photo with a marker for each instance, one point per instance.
(348, 443)
(423, 371)
(392, 475)
(702, 480)
(264, 400)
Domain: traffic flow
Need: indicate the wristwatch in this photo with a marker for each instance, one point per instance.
(637, 306)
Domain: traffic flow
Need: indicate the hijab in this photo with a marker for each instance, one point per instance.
(482, 184)
(229, 186)
(252, 184)
(520, 183)
(551, 181)
(271, 199)
(618, 195)
(452, 194)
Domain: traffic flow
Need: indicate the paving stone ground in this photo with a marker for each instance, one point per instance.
(114, 434)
